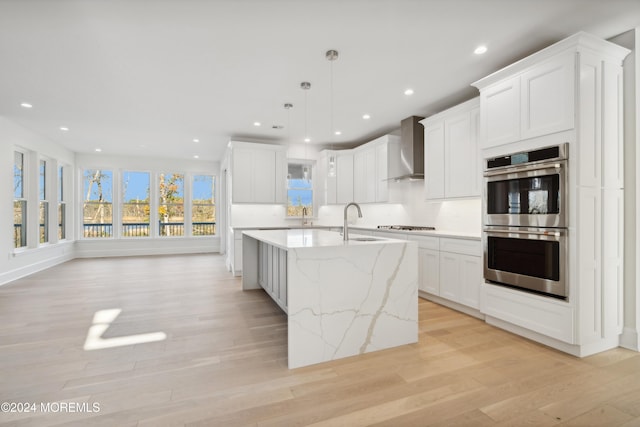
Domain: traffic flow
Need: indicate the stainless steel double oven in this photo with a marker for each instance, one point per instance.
(526, 222)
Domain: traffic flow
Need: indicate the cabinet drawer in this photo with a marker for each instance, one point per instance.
(460, 246)
(426, 242)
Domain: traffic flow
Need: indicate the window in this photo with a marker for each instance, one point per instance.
(299, 189)
(97, 208)
(43, 212)
(62, 206)
(203, 210)
(19, 202)
(135, 204)
(171, 204)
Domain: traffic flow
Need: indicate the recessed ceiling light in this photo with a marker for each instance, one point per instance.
(480, 50)
(98, 150)
(257, 123)
(195, 156)
(196, 140)
(338, 132)
(408, 92)
(366, 116)
(26, 105)
(307, 140)
(64, 128)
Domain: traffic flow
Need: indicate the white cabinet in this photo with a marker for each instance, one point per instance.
(258, 173)
(452, 158)
(461, 271)
(272, 272)
(364, 175)
(336, 189)
(428, 263)
(234, 255)
(500, 113)
(371, 169)
(547, 99)
(450, 268)
(538, 101)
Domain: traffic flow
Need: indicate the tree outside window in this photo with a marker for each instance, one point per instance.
(203, 209)
(43, 211)
(171, 204)
(97, 210)
(136, 208)
(19, 202)
(62, 206)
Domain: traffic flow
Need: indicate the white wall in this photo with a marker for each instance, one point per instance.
(17, 263)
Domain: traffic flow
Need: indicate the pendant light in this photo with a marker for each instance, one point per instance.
(306, 86)
(331, 55)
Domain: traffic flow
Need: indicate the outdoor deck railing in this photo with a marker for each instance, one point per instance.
(143, 229)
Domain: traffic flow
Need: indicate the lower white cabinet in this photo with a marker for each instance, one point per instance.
(272, 272)
(450, 268)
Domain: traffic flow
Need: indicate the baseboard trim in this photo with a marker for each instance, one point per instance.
(451, 304)
(630, 339)
(18, 273)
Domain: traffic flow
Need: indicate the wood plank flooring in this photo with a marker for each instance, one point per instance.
(223, 362)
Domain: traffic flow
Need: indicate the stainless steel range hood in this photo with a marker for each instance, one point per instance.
(410, 162)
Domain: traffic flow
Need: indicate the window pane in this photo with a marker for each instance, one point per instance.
(60, 183)
(43, 180)
(97, 208)
(299, 190)
(298, 200)
(135, 206)
(171, 204)
(44, 215)
(18, 175)
(62, 225)
(203, 213)
(20, 223)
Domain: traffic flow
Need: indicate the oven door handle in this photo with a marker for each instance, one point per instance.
(516, 169)
(536, 233)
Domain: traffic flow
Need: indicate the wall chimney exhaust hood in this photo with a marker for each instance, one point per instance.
(409, 164)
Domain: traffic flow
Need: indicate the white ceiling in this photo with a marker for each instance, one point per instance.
(147, 77)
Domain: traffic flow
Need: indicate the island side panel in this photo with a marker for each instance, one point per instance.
(249, 263)
(349, 300)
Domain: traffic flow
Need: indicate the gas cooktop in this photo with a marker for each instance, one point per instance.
(406, 227)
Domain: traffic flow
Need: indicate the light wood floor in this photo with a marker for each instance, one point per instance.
(224, 360)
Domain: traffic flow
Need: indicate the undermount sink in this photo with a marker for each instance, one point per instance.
(364, 239)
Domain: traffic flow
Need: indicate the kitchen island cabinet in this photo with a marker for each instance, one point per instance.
(341, 298)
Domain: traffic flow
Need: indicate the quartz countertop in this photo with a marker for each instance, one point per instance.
(313, 238)
(433, 233)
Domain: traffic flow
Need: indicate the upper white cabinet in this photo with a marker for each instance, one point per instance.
(452, 160)
(338, 187)
(547, 97)
(371, 169)
(500, 107)
(258, 173)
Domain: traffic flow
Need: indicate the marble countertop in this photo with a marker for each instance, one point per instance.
(313, 238)
(434, 233)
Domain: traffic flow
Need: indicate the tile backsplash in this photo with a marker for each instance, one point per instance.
(406, 207)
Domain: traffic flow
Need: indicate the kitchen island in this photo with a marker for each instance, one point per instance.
(342, 298)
